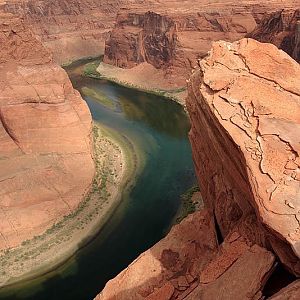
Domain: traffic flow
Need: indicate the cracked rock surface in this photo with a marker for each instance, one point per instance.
(189, 264)
(46, 164)
(170, 269)
(244, 104)
(281, 28)
(245, 113)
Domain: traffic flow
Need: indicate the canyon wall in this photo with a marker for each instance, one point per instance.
(250, 110)
(245, 141)
(281, 28)
(152, 39)
(69, 29)
(46, 164)
(180, 32)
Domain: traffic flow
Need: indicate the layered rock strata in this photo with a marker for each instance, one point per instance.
(247, 158)
(245, 139)
(46, 164)
(178, 33)
(152, 39)
(70, 29)
(281, 28)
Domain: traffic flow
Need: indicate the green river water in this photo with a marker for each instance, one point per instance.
(159, 128)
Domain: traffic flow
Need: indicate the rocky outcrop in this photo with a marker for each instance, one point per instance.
(281, 28)
(70, 29)
(151, 39)
(245, 140)
(172, 35)
(46, 164)
(188, 264)
(169, 268)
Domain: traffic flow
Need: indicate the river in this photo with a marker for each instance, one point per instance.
(159, 128)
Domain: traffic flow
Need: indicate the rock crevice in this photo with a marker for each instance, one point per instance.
(245, 139)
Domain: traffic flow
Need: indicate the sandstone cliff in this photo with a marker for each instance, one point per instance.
(245, 140)
(178, 33)
(281, 28)
(170, 41)
(151, 39)
(70, 29)
(246, 96)
(46, 164)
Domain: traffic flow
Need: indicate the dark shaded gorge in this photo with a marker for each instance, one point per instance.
(159, 128)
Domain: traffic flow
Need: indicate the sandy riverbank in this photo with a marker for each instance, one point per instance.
(143, 77)
(117, 166)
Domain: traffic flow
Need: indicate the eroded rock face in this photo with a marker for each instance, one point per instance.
(46, 164)
(71, 29)
(281, 28)
(182, 32)
(244, 106)
(151, 39)
(171, 39)
(188, 264)
(171, 267)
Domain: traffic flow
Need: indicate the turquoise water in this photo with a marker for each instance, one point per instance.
(158, 128)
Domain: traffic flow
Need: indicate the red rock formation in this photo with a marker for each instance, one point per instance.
(187, 265)
(169, 268)
(245, 139)
(151, 39)
(70, 29)
(291, 292)
(46, 164)
(281, 28)
(180, 32)
(169, 40)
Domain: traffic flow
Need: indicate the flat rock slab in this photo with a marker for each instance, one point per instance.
(243, 280)
(171, 266)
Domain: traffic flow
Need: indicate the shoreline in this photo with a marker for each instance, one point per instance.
(117, 166)
(87, 58)
(91, 70)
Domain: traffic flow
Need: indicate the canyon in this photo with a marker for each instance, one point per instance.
(69, 29)
(171, 36)
(244, 114)
(247, 163)
(281, 28)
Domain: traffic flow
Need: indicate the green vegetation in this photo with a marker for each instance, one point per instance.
(107, 183)
(90, 69)
(169, 94)
(188, 206)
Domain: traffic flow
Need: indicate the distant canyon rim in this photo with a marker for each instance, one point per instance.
(221, 60)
